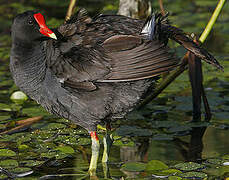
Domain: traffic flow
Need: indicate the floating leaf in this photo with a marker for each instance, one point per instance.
(61, 155)
(70, 140)
(133, 131)
(189, 166)
(192, 175)
(21, 170)
(156, 165)
(8, 163)
(168, 172)
(28, 155)
(133, 166)
(4, 118)
(54, 126)
(49, 155)
(215, 161)
(84, 141)
(123, 143)
(7, 153)
(35, 111)
(184, 107)
(164, 124)
(23, 147)
(32, 163)
(163, 137)
(179, 128)
(5, 107)
(174, 178)
(223, 170)
(3, 176)
(24, 139)
(66, 149)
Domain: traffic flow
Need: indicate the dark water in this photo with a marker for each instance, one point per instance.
(161, 131)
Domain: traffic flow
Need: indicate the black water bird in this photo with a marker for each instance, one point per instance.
(93, 70)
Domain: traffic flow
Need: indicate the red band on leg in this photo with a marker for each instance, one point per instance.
(94, 135)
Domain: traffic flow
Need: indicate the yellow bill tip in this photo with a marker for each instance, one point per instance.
(53, 36)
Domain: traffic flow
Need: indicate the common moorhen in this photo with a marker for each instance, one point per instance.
(93, 70)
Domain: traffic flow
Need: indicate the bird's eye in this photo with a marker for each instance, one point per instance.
(30, 22)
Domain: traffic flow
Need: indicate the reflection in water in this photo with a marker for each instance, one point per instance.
(190, 150)
(201, 143)
(129, 154)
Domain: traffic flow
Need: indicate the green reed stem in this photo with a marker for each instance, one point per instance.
(212, 21)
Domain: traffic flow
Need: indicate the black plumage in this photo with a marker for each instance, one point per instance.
(99, 68)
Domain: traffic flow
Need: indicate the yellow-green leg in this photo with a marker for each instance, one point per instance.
(95, 153)
(107, 141)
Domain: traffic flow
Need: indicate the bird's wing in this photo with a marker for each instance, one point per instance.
(133, 58)
(120, 58)
(80, 62)
(78, 67)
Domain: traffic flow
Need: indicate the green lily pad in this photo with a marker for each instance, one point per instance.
(23, 147)
(164, 124)
(31, 163)
(174, 178)
(80, 131)
(133, 166)
(83, 141)
(54, 126)
(21, 170)
(61, 155)
(188, 166)
(66, 149)
(7, 153)
(5, 107)
(179, 128)
(192, 175)
(3, 176)
(2, 118)
(12, 138)
(163, 137)
(48, 155)
(123, 143)
(184, 107)
(156, 165)
(226, 156)
(35, 111)
(215, 161)
(43, 135)
(28, 155)
(8, 163)
(24, 139)
(133, 131)
(168, 172)
(70, 140)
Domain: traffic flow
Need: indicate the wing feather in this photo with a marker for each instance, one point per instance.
(147, 59)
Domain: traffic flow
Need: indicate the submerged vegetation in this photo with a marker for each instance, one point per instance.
(156, 142)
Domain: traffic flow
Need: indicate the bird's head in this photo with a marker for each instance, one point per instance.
(31, 26)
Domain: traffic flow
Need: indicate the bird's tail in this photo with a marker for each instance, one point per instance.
(159, 28)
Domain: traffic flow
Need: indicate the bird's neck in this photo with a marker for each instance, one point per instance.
(28, 65)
